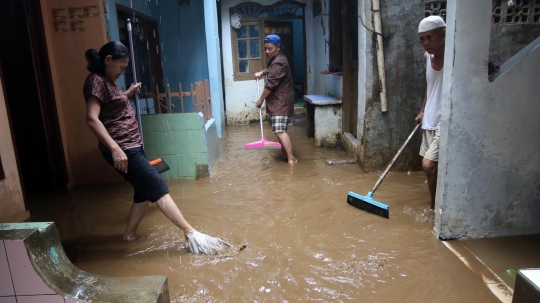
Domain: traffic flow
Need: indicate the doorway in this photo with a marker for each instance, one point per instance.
(285, 32)
(350, 66)
(146, 51)
(30, 97)
(284, 18)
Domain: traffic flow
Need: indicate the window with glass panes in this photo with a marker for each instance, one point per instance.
(247, 50)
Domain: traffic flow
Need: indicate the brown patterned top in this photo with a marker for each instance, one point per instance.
(278, 79)
(116, 112)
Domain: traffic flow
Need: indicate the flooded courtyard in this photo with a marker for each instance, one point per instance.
(296, 239)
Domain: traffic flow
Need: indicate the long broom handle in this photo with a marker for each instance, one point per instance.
(260, 119)
(260, 109)
(134, 71)
(381, 178)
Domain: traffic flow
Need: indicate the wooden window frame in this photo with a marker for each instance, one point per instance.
(260, 62)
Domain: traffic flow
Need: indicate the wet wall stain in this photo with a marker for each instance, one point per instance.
(202, 171)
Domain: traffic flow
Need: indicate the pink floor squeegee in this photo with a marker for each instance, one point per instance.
(262, 144)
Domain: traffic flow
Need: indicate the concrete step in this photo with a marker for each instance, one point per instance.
(39, 267)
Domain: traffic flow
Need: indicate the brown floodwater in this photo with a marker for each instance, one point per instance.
(303, 242)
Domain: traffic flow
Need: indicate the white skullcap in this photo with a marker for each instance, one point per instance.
(430, 23)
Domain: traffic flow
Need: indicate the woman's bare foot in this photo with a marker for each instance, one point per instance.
(129, 238)
(293, 160)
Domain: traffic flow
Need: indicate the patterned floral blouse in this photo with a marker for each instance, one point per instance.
(116, 112)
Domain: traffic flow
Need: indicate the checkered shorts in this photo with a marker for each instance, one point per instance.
(279, 124)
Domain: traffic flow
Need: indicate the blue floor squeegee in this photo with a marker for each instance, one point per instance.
(366, 202)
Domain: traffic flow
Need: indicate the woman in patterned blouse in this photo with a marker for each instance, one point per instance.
(112, 120)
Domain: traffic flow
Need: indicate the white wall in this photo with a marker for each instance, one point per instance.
(317, 53)
(489, 170)
(365, 68)
(214, 64)
(240, 96)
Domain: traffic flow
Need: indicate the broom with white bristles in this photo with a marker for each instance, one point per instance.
(199, 243)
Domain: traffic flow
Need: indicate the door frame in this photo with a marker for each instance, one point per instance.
(350, 71)
(47, 107)
(13, 143)
(47, 98)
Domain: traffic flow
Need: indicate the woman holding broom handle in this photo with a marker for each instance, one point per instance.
(112, 120)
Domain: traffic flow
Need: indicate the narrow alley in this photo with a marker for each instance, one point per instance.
(303, 242)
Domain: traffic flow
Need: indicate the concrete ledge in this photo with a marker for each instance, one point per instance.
(211, 140)
(323, 119)
(299, 109)
(350, 144)
(51, 273)
(321, 99)
(527, 289)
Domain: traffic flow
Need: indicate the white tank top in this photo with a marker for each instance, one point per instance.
(432, 111)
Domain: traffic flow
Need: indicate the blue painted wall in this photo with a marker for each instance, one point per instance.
(183, 40)
(298, 34)
(182, 36)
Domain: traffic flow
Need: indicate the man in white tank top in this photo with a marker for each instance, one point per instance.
(432, 34)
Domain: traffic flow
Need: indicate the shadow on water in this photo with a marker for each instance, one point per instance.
(303, 241)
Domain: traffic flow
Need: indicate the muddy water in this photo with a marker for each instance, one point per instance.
(303, 241)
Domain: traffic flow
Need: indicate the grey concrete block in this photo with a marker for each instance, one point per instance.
(527, 289)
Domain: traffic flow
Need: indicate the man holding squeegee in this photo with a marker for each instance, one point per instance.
(432, 34)
(278, 92)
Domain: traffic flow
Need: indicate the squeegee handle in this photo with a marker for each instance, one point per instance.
(260, 119)
(134, 72)
(260, 109)
(381, 178)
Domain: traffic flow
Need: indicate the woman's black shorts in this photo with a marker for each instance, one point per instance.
(146, 181)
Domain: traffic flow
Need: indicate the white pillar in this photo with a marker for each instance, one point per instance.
(214, 63)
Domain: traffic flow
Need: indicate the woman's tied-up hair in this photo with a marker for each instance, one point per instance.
(96, 60)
